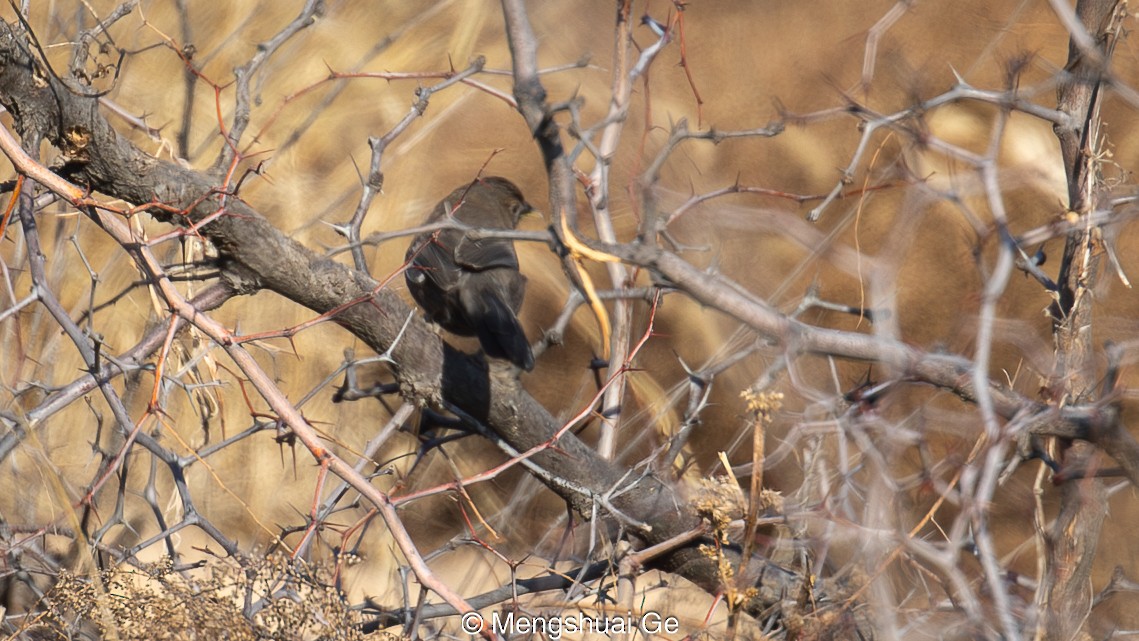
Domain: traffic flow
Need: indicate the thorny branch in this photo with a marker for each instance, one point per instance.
(255, 255)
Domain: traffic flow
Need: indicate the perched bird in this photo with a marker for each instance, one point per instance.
(470, 285)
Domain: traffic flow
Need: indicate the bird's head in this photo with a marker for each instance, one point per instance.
(508, 196)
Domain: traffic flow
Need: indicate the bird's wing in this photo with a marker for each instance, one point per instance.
(480, 254)
(430, 259)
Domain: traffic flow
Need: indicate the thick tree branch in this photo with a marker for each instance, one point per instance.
(256, 254)
(1064, 597)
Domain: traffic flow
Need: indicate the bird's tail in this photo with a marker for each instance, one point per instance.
(501, 335)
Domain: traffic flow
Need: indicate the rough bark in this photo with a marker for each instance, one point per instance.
(1065, 597)
(256, 255)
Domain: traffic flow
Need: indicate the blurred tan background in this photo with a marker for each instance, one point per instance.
(903, 248)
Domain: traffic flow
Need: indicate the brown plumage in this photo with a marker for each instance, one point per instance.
(471, 286)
